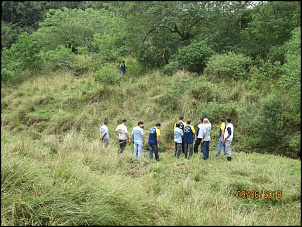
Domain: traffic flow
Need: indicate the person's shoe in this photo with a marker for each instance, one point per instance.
(229, 159)
(217, 154)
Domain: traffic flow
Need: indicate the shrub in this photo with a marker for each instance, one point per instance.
(228, 66)
(191, 58)
(107, 75)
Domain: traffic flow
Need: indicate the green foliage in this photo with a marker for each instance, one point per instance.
(70, 27)
(228, 66)
(269, 121)
(192, 58)
(52, 59)
(20, 58)
(271, 26)
(290, 81)
(107, 75)
(295, 142)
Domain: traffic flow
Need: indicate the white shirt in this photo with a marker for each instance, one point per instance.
(230, 125)
(122, 130)
(200, 126)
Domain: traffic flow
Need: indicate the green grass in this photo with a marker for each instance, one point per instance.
(54, 170)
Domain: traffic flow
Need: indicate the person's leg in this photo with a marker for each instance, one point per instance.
(156, 152)
(205, 150)
(150, 151)
(186, 150)
(224, 150)
(179, 148)
(139, 150)
(190, 150)
(220, 145)
(122, 146)
(196, 144)
(105, 143)
(228, 147)
(135, 149)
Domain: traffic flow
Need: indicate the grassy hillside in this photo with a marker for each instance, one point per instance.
(54, 170)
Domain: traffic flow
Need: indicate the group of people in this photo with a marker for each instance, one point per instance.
(185, 134)
(137, 138)
(184, 137)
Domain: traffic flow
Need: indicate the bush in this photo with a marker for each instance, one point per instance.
(22, 58)
(53, 58)
(228, 66)
(191, 58)
(107, 75)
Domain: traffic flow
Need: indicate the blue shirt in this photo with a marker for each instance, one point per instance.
(178, 133)
(207, 129)
(154, 132)
(103, 130)
(189, 134)
(138, 133)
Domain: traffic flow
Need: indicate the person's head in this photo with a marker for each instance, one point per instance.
(228, 120)
(124, 121)
(200, 120)
(221, 120)
(157, 125)
(177, 125)
(206, 121)
(181, 118)
(188, 121)
(140, 124)
(105, 121)
(123, 61)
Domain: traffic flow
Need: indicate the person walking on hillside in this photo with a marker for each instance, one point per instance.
(138, 139)
(228, 138)
(122, 132)
(198, 135)
(182, 127)
(221, 144)
(189, 135)
(153, 141)
(206, 138)
(123, 68)
(178, 138)
(104, 133)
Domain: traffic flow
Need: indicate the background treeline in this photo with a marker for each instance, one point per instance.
(257, 44)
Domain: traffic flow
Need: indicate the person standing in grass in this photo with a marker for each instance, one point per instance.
(182, 127)
(122, 132)
(178, 137)
(138, 139)
(221, 144)
(123, 68)
(198, 135)
(206, 138)
(153, 142)
(228, 138)
(189, 135)
(104, 133)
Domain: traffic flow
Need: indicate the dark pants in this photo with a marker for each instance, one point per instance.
(188, 146)
(196, 145)
(123, 144)
(206, 149)
(153, 148)
(178, 149)
(182, 148)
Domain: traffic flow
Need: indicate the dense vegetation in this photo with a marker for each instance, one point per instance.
(60, 79)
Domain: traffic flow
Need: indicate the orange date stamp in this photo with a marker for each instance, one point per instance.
(259, 194)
